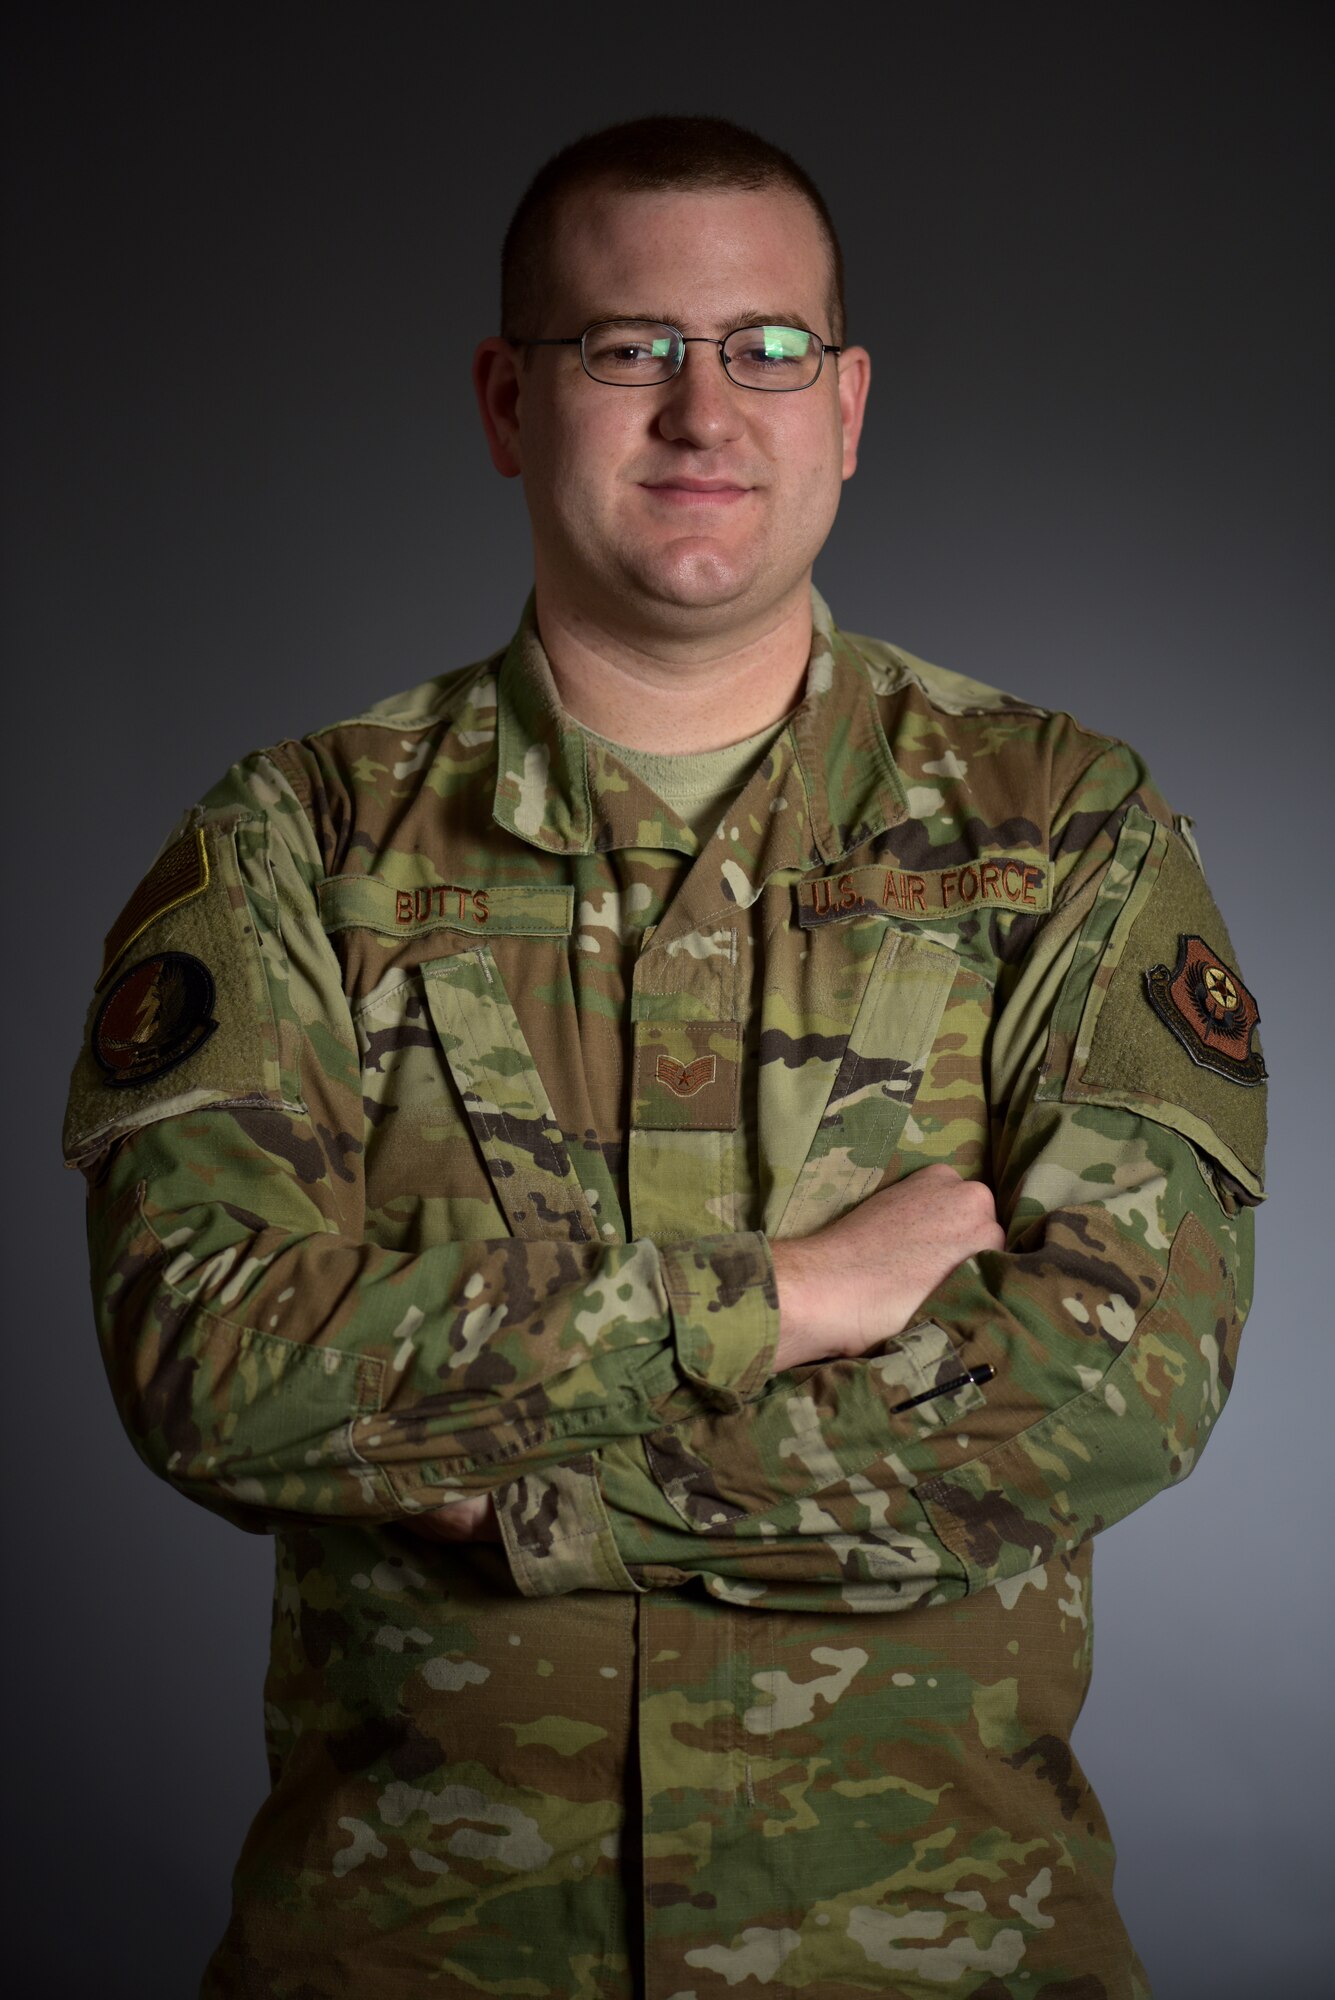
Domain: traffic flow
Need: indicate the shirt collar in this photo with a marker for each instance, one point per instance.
(828, 784)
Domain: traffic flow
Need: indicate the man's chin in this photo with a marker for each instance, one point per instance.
(699, 581)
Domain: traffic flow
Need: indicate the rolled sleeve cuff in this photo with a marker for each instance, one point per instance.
(725, 1314)
(557, 1534)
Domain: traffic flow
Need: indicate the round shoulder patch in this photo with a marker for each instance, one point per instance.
(157, 1014)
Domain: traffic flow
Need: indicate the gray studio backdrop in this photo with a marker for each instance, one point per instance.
(248, 254)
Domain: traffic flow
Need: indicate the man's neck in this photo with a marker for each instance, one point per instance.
(677, 693)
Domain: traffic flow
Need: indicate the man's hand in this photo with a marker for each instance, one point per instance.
(860, 1280)
(472, 1520)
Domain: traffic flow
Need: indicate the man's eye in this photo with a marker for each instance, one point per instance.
(757, 354)
(628, 356)
(760, 356)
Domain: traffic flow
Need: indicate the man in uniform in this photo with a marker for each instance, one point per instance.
(682, 1172)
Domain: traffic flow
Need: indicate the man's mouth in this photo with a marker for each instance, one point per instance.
(696, 492)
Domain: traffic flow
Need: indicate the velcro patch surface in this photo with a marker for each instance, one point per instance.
(191, 1023)
(996, 882)
(175, 877)
(1124, 1050)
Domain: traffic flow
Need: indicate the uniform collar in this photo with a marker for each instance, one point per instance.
(828, 784)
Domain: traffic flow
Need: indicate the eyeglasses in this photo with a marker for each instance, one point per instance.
(637, 353)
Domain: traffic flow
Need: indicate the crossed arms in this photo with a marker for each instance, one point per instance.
(790, 1411)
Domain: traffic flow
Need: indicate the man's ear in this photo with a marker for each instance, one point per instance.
(854, 382)
(496, 383)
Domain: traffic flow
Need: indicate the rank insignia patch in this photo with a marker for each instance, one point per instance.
(684, 1079)
(157, 1014)
(178, 876)
(1209, 1010)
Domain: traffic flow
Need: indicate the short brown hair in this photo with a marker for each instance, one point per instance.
(643, 154)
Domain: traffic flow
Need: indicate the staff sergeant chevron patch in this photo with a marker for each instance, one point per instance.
(684, 1079)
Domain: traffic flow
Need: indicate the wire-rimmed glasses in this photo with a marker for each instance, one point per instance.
(637, 353)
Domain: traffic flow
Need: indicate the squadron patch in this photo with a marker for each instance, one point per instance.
(176, 877)
(1209, 1010)
(157, 1014)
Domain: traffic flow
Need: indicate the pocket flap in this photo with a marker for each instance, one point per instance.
(505, 1099)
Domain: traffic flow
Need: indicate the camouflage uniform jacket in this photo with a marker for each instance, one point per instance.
(440, 1098)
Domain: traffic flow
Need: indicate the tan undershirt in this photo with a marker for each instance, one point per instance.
(697, 784)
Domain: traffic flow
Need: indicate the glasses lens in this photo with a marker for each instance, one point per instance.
(631, 351)
(772, 357)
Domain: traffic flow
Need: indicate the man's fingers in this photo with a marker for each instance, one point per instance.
(472, 1520)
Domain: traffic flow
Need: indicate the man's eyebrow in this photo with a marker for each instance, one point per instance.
(745, 316)
(784, 317)
(753, 316)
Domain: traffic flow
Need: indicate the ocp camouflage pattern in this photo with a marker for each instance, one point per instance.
(772, 1682)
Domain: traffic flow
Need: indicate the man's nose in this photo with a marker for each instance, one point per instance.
(700, 405)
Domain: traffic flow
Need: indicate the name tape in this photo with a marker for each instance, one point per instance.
(366, 902)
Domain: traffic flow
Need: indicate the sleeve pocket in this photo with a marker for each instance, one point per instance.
(183, 1016)
(1154, 1018)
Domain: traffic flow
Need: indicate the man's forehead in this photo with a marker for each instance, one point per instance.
(735, 255)
(620, 220)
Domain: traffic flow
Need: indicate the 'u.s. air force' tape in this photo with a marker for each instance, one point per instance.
(998, 882)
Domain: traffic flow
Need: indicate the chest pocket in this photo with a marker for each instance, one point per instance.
(438, 1038)
(504, 1098)
(834, 1098)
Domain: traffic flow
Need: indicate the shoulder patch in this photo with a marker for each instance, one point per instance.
(175, 878)
(1209, 1010)
(157, 1014)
